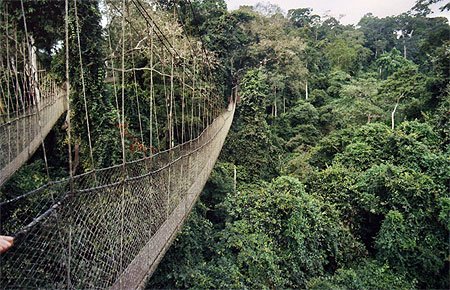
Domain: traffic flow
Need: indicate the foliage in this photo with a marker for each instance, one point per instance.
(358, 103)
(43, 20)
(371, 210)
(390, 62)
(423, 9)
(277, 236)
(347, 52)
(379, 33)
(359, 204)
(252, 141)
(302, 17)
(389, 188)
(368, 275)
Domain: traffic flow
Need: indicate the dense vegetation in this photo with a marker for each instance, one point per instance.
(340, 143)
(341, 148)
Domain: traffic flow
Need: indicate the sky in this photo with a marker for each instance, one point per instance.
(351, 11)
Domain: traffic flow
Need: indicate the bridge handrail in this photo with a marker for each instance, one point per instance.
(77, 233)
(21, 136)
(118, 166)
(48, 97)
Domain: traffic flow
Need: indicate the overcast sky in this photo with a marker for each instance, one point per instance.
(352, 9)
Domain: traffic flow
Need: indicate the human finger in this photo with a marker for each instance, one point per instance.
(9, 239)
(5, 243)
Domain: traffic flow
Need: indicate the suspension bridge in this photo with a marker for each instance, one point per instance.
(22, 132)
(108, 227)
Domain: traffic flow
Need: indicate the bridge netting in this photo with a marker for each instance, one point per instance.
(109, 227)
(30, 100)
(85, 232)
(23, 131)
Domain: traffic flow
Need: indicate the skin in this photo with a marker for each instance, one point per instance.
(5, 243)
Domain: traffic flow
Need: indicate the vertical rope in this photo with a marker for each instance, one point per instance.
(182, 94)
(153, 95)
(121, 127)
(37, 99)
(83, 86)
(8, 68)
(151, 92)
(175, 128)
(123, 139)
(25, 95)
(205, 112)
(151, 192)
(166, 97)
(18, 92)
(137, 100)
(171, 126)
(156, 124)
(200, 122)
(3, 98)
(69, 133)
(192, 103)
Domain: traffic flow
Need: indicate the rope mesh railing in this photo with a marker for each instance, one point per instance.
(21, 132)
(84, 232)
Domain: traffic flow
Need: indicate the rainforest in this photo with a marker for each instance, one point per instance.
(341, 154)
(336, 171)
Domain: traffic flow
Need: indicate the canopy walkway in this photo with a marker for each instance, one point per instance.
(109, 228)
(22, 132)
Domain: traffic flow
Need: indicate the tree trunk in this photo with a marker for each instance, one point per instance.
(404, 49)
(393, 112)
(33, 70)
(275, 106)
(234, 179)
(275, 102)
(306, 89)
(76, 159)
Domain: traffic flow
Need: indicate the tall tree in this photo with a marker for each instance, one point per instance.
(251, 145)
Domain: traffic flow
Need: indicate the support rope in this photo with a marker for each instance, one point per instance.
(36, 91)
(106, 216)
(91, 155)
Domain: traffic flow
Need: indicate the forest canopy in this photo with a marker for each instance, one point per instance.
(336, 171)
(341, 149)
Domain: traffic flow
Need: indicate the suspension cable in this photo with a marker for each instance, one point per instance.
(137, 102)
(83, 86)
(69, 133)
(138, 3)
(151, 93)
(37, 98)
(121, 127)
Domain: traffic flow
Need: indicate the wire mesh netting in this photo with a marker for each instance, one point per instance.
(21, 132)
(84, 232)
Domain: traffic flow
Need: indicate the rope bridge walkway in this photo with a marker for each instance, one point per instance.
(22, 132)
(109, 228)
